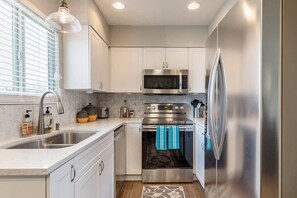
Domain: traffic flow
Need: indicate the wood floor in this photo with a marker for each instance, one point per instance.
(133, 189)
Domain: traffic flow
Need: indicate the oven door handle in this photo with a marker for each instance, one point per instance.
(154, 128)
(180, 82)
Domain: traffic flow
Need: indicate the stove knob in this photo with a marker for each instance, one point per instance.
(148, 108)
(176, 107)
(181, 107)
(153, 107)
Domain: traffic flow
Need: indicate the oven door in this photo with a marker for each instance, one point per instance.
(170, 81)
(168, 159)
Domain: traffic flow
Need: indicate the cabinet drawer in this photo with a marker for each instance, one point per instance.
(85, 160)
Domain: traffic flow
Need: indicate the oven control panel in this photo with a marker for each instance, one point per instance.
(164, 108)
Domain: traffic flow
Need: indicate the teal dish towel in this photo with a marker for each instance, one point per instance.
(161, 138)
(173, 137)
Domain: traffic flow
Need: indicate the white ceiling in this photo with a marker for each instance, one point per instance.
(159, 12)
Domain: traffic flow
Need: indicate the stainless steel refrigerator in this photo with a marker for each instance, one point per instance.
(243, 75)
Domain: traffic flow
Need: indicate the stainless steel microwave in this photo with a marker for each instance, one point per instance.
(165, 81)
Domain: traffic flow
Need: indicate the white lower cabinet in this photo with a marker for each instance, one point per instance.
(106, 176)
(200, 155)
(134, 148)
(60, 181)
(96, 182)
(88, 184)
(90, 174)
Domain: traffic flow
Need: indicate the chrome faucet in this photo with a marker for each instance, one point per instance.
(60, 110)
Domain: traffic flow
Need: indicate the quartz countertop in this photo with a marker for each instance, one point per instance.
(43, 161)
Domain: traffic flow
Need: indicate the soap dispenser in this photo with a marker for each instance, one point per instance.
(48, 121)
(27, 124)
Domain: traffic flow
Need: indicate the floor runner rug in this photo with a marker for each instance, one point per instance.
(163, 192)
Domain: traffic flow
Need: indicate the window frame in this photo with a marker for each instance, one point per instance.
(26, 98)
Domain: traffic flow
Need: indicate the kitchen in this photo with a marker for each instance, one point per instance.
(127, 43)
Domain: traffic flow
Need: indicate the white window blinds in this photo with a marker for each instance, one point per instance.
(28, 51)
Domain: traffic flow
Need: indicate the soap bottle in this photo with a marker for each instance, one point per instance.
(124, 111)
(27, 124)
(48, 121)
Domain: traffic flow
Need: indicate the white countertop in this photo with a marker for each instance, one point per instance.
(44, 161)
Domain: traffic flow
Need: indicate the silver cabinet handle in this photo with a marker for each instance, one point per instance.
(74, 172)
(202, 146)
(140, 88)
(164, 65)
(101, 85)
(167, 65)
(100, 169)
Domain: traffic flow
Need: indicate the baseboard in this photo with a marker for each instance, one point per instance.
(133, 177)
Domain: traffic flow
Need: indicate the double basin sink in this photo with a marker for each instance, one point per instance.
(60, 140)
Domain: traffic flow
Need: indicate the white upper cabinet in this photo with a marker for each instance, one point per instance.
(197, 70)
(126, 70)
(85, 61)
(165, 58)
(177, 58)
(153, 58)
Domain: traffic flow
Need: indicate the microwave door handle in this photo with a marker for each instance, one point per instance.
(180, 82)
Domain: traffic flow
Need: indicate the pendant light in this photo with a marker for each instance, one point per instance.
(63, 21)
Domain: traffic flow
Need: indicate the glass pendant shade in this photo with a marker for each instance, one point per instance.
(63, 21)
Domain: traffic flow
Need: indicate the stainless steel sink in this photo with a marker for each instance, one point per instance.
(61, 140)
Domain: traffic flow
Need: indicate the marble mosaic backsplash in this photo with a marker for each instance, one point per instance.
(136, 102)
(12, 115)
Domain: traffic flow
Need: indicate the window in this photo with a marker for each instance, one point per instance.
(28, 51)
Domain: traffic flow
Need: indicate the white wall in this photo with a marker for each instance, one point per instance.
(46, 7)
(158, 36)
(87, 12)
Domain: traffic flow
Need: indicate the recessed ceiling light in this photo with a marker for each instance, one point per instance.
(193, 6)
(118, 5)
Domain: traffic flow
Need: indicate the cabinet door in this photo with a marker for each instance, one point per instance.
(177, 58)
(106, 178)
(103, 79)
(126, 70)
(197, 70)
(76, 67)
(88, 184)
(95, 48)
(133, 137)
(200, 154)
(60, 182)
(154, 58)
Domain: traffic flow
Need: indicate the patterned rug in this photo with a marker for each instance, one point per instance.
(163, 192)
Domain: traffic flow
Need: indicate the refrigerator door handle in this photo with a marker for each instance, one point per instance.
(223, 106)
(211, 126)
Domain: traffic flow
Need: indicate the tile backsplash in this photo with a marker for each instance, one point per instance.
(135, 102)
(12, 115)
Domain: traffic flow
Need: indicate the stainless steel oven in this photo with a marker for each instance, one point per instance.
(165, 81)
(166, 165)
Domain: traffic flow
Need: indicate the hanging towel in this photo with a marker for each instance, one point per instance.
(161, 138)
(173, 137)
